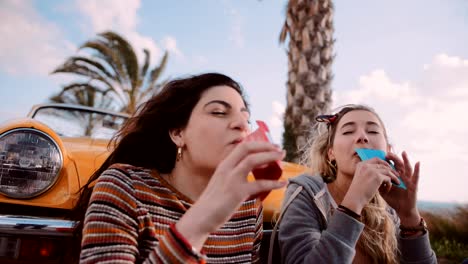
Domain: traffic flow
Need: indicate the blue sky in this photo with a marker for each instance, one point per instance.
(407, 59)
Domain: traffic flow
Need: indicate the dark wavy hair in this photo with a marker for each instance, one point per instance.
(144, 139)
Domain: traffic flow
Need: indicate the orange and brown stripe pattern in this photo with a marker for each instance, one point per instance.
(129, 216)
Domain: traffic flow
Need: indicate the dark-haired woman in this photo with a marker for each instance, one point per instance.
(175, 189)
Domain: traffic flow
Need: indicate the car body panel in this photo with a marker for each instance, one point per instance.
(87, 154)
(65, 189)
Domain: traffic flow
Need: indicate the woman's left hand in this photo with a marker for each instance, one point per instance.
(404, 201)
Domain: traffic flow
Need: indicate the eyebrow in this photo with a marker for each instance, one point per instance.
(225, 104)
(354, 123)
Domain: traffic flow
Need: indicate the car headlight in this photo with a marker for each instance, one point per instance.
(30, 162)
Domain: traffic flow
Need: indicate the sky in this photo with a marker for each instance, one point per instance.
(406, 59)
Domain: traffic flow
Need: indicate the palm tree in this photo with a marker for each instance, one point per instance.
(112, 76)
(82, 95)
(309, 26)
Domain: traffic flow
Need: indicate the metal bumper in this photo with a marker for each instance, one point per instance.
(27, 225)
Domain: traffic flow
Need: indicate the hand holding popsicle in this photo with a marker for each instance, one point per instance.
(371, 176)
(404, 201)
(366, 154)
(271, 171)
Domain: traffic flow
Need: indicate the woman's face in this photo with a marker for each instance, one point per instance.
(219, 121)
(356, 129)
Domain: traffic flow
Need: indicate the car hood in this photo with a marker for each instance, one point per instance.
(87, 155)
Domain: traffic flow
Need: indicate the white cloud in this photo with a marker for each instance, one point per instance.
(445, 77)
(447, 61)
(278, 108)
(170, 44)
(427, 118)
(30, 44)
(378, 85)
(120, 16)
(236, 34)
(106, 14)
(276, 121)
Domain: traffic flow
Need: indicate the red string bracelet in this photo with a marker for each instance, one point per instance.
(183, 240)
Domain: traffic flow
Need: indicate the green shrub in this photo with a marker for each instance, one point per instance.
(449, 233)
(450, 250)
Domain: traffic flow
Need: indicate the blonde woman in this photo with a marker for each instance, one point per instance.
(349, 211)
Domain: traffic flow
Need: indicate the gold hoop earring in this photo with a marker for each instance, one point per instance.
(179, 154)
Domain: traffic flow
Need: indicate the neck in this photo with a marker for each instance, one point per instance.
(189, 181)
(339, 187)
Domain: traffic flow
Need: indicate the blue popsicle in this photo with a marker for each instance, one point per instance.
(366, 154)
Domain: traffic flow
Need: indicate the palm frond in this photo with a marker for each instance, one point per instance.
(76, 93)
(146, 64)
(79, 60)
(70, 66)
(284, 33)
(156, 72)
(127, 54)
(114, 77)
(146, 94)
(56, 98)
(110, 56)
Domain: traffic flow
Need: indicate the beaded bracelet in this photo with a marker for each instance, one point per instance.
(409, 231)
(349, 212)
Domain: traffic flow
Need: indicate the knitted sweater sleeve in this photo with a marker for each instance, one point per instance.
(110, 231)
(258, 234)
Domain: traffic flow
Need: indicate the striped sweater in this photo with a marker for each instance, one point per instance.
(129, 217)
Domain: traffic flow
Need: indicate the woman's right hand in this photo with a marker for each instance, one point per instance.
(371, 176)
(227, 189)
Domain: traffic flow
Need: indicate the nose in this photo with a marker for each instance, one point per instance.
(240, 122)
(362, 138)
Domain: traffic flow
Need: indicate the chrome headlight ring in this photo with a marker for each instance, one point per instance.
(30, 163)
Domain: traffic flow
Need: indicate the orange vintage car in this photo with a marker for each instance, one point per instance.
(44, 160)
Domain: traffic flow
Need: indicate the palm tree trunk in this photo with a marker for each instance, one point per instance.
(309, 25)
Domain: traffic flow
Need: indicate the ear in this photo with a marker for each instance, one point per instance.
(177, 137)
(331, 155)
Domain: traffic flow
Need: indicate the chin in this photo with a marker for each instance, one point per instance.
(350, 171)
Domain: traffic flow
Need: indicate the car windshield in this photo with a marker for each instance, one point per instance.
(80, 123)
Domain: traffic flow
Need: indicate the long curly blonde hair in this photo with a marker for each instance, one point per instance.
(378, 240)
